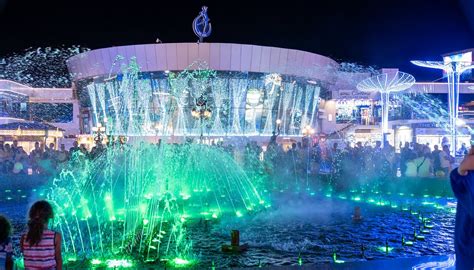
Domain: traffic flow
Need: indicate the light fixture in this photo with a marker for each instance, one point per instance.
(253, 97)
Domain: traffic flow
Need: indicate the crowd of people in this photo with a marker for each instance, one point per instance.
(300, 158)
(361, 161)
(42, 159)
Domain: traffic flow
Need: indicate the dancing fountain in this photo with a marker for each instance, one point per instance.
(454, 68)
(132, 201)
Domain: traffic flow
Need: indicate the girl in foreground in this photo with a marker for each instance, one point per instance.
(6, 261)
(41, 247)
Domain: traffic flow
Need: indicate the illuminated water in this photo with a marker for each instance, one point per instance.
(180, 202)
(313, 228)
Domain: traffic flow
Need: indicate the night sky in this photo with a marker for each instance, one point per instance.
(380, 33)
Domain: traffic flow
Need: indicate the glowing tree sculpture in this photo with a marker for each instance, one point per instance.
(385, 84)
(453, 68)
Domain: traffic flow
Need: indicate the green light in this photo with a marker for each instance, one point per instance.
(328, 195)
(357, 199)
(371, 200)
(214, 215)
(178, 262)
(119, 263)
(425, 196)
(72, 259)
(96, 261)
(385, 249)
(334, 258)
(238, 214)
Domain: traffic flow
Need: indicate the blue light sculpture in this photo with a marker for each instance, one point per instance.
(385, 84)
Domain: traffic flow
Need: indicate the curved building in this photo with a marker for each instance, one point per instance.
(190, 89)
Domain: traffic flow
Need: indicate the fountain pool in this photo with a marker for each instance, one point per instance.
(311, 229)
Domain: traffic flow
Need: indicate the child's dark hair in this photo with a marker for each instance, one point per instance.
(39, 215)
(5, 229)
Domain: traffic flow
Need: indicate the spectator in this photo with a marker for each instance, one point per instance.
(38, 235)
(6, 250)
(74, 148)
(445, 160)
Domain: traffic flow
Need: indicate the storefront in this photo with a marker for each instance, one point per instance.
(28, 133)
(428, 133)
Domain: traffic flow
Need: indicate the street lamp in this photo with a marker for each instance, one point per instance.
(201, 112)
(278, 123)
(308, 131)
(99, 130)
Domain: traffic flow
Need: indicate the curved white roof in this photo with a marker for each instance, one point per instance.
(219, 56)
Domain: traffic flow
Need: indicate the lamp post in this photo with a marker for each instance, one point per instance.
(278, 125)
(157, 127)
(99, 131)
(308, 131)
(454, 68)
(201, 112)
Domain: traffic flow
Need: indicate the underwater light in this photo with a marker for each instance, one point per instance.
(334, 258)
(385, 249)
(178, 262)
(96, 261)
(119, 263)
(406, 243)
(238, 214)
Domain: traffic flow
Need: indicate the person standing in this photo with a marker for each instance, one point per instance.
(445, 159)
(6, 261)
(40, 246)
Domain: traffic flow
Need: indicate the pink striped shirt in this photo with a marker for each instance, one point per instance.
(41, 256)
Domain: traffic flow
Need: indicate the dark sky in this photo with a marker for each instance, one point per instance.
(383, 33)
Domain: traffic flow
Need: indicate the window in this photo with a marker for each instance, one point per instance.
(51, 112)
